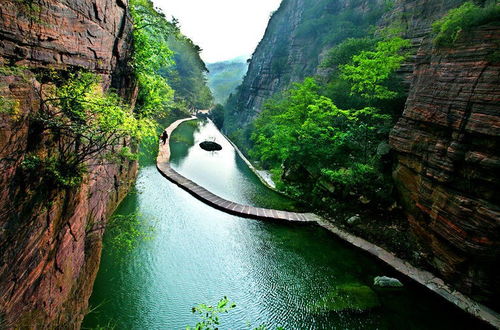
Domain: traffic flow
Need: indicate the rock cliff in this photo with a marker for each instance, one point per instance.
(300, 33)
(447, 166)
(446, 143)
(296, 39)
(49, 242)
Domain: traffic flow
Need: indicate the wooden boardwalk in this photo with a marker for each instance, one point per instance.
(163, 165)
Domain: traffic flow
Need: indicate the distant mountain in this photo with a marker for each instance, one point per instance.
(225, 76)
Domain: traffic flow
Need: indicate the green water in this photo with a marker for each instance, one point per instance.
(223, 172)
(274, 272)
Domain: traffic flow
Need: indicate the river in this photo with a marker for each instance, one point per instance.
(274, 272)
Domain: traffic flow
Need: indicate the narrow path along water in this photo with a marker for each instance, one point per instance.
(275, 272)
(249, 211)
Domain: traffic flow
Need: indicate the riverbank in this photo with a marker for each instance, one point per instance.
(424, 278)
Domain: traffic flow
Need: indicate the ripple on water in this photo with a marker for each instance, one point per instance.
(273, 272)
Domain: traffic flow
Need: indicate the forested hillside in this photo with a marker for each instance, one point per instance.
(188, 74)
(224, 77)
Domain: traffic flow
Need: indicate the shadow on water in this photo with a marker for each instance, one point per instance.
(276, 273)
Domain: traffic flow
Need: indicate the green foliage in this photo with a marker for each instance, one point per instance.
(369, 69)
(85, 124)
(29, 8)
(151, 53)
(342, 53)
(187, 76)
(462, 19)
(210, 315)
(323, 24)
(13, 70)
(306, 132)
(327, 23)
(165, 61)
(319, 151)
(128, 231)
(8, 104)
(217, 115)
(54, 171)
(10, 107)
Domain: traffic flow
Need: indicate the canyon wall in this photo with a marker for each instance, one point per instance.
(446, 143)
(300, 33)
(51, 238)
(447, 165)
(298, 36)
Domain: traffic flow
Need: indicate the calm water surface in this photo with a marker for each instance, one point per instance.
(274, 272)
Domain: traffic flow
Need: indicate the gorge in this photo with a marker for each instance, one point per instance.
(436, 156)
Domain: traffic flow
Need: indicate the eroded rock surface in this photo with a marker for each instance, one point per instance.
(50, 239)
(447, 145)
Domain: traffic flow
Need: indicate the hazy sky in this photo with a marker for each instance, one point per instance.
(224, 29)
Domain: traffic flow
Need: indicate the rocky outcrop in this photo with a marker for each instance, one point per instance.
(415, 18)
(447, 166)
(51, 238)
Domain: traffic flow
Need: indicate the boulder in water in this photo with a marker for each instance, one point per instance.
(210, 146)
(387, 282)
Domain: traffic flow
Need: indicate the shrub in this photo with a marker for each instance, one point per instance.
(86, 124)
(461, 20)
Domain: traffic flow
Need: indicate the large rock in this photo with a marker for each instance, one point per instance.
(49, 250)
(210, 146)
(447, 145)
(387, 282)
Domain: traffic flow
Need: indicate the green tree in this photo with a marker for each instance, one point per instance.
(217, 115)
(151, 53)
(370, 69)
(307, 132)
(187, 75)
(319, 151)
(85, 123)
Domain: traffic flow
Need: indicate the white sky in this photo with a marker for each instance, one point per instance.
(224, 29)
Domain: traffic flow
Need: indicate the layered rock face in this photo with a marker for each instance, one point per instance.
(447, 144)
(51, 239)
(292, 49)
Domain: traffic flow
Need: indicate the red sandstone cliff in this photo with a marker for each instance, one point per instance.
(447, 167)
(49, 254)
